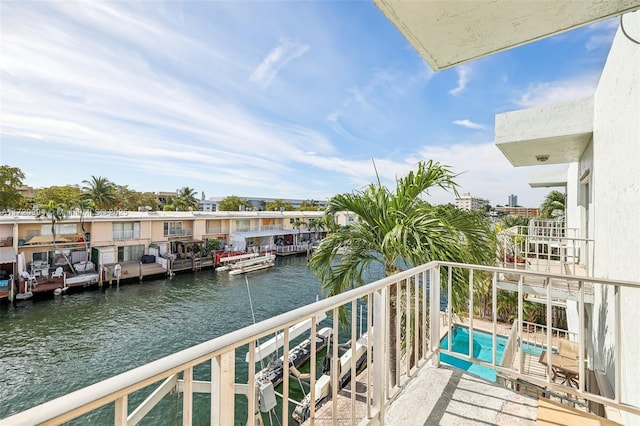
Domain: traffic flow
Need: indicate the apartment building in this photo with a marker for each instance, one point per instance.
(467, 202)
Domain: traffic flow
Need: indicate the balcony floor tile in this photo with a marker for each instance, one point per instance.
(448, 396)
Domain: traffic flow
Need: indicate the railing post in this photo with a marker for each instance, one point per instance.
(617, 340)
(379, 361)
(121, 411)
(547, 283)
(223, 389)
(187, 396)
(434, 321)
(520, 319)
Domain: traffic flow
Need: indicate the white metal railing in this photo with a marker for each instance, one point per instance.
(126, 234)
(406, 304)
(536, 334)
(292, 248)
(551, 249)
(178, 232)
(217, 230)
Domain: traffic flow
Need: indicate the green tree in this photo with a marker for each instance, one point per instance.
(398, 229)
(10, 180)
(67, 195)
(309, 206)
(511, 221)
(85, 206)
(102, 191)
(130, 200)
(297, 224)
(233, 203)
(55, 212)
(278, 204)
(315, 225)
(553, 205)
(186, 199)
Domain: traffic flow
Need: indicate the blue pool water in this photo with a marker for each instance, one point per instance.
(482, 350)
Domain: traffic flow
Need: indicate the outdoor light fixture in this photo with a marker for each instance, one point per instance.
(542, 158)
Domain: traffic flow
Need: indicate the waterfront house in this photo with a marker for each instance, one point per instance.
(114, 237)
(600, 140)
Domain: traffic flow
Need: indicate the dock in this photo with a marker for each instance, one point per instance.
(293, 250)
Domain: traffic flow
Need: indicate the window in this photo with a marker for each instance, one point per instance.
(130, 253)
(40, 256)
(243, 225)
(61, 229)
(126, 230)
(173, 228)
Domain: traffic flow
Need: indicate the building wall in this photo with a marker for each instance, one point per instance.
(101, 232)
(616, 196)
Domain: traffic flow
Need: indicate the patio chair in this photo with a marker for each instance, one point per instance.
(30, 280)
(57, 273)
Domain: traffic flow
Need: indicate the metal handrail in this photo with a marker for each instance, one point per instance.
(377, 294)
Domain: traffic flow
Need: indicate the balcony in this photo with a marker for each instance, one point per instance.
(217, 230)
(178, 232)
(399, 377)
(126, 235)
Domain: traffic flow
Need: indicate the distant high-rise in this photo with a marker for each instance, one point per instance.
(513, 200)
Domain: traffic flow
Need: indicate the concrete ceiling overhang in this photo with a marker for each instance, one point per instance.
(548, 178)
(548, 134)
(448, 33)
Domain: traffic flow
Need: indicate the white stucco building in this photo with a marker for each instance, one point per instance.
(468, 202)
(599, 140)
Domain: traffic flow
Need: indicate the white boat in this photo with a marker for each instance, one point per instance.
(265, 349)
(25, 295)
(228, 261)
(255, 264)
(298, 356)
(323, 384)
(81, 279)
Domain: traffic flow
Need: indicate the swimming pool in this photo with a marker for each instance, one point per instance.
(482, 350)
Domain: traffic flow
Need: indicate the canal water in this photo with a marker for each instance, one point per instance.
(50, 348)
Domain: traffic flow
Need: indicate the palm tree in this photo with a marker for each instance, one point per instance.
(55, 213)
(315, 224)
(399, 228)
(186, 199)
(85, 206)
(102, 191)
(553, 205)
(297, 224)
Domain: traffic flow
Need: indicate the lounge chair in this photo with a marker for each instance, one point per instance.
(57, 273)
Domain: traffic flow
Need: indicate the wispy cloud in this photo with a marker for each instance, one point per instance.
(464, 72)
(164, 94)
(470, 124)
(601, 34)
(558, 91)
(280, 56)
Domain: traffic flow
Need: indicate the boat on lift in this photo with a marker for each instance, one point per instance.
(323, 384)
(255, 264)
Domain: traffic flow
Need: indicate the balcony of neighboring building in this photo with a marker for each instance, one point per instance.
(549, 134)
(548, 178)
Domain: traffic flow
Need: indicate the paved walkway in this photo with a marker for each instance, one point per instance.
(446, 396)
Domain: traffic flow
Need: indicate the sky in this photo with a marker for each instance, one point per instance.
(283, 99)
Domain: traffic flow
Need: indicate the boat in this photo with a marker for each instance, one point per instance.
(298, 356)
(24, 296)
(265, 349)
(228, 261)
(255, 264)
(323, 384)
